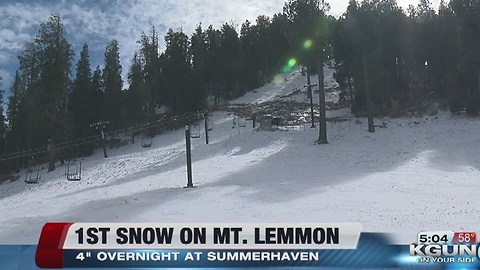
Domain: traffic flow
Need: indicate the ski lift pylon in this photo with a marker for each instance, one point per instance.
(195, 131)
(306, 99)
(73, 170)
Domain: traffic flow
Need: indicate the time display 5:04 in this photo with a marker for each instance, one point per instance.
(435, 237)
(446, 237)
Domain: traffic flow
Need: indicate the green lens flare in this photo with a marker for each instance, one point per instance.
(278, 78)
(307, 44)
(290, 65)
(292, 62)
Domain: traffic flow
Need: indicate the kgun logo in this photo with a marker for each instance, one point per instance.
(446, 253)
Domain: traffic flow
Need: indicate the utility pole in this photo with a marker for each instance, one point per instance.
(310, 95)
(100, 126)
(189, 157)
(205, 115)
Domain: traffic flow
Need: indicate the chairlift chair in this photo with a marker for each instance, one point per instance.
(146, 141)
(242, 122)
(33, 175)
(209, 125)
(195, 131)
(73, 171)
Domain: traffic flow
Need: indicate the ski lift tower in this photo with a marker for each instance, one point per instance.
(310, 94)
(100, 126)
(189, 157)
(208, 126)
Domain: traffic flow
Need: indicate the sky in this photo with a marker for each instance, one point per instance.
(96, 22)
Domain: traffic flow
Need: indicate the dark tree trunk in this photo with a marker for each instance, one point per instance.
(478, 81)
(310, 97)
(51, 154)
(371, 126)
(350, 87)
(267, 69)
(388, 91)
(322, 137)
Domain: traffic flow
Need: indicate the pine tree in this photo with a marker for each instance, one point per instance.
(80, 102)
(309, 29)
(389, 54)
(198, 51)
(113, 85)
(363, 29)
(278, 36)
(57, 56)
(45, 66)
(448, 56)
(100, 99)
(213, 67)
(16, 135)
(151, 93)
(178, 73)
(27, 117)
(83, 101)
(3, 126)
(29, 62)
(229, 54)
(14, 102)
(249, 55)
(134, 101)
(264, 45)
(426, 55)
(467, 15)
(342, 53)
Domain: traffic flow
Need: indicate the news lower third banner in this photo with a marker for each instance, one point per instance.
(215, 246)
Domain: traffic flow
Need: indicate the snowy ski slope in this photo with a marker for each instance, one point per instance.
(416, 174)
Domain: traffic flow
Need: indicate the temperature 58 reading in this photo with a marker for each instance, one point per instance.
(439, 237)
(464, 237)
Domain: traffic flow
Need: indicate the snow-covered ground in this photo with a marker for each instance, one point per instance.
(416, 174)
